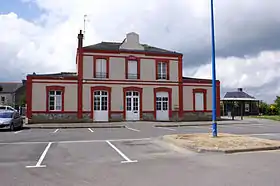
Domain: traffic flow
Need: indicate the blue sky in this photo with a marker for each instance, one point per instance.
(25, 10)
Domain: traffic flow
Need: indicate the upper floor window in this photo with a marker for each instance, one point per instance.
(55, 98)
(101, 67)
(162, 69)
(132, 68)
(199, 99)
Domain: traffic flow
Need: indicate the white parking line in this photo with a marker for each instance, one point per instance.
(136, 130)
(18, 131)
(166, 128)
(127, 160)
(38, 164)
(90, 130)
(55, 131)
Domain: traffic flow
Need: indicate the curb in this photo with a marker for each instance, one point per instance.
(192, 125)
(200, 150)
(67, 127)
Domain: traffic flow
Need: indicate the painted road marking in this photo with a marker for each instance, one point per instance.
(18, 131)
(127, 160)
(55, 131)
(166, 128)
(136, 130)
(90, 130)
(39, 163)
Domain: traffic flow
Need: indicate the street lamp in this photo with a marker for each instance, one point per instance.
(214, 101)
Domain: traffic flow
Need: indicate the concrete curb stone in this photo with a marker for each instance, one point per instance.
(201, 150)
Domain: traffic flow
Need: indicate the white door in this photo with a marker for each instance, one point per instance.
(132, 106)
(162, 110)
(100, 106)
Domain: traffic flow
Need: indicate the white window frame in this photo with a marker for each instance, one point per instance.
(57, 100)
(199, 101)
(161, 75)
(100, 100)
(132, 71)
(101, 68)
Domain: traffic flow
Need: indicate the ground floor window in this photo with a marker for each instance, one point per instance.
(55, 100)
(199, 99)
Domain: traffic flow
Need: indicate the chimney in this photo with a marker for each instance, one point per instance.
(240, 90)
(132, 37)
(80, 40)
(23, 81)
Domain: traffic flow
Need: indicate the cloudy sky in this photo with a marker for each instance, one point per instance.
(40, 36)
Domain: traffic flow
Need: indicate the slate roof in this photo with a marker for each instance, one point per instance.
(114, 46)
(61, 74)
(10, 87)
(238, 95)
(198, 79)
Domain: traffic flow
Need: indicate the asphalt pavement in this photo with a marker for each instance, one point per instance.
(131, 156)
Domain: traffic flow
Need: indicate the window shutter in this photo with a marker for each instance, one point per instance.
(199, 101)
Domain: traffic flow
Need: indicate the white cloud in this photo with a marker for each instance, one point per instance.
(48, 44)
(251, 72)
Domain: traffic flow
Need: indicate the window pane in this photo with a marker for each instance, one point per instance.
(158, 99)
(128, 93)
(58, 100)
(97, 93)
(58, 107)
(58, 92)
(96, 103)
(104, 103)
(128, 104)
(51, 107)
(164, 105)
(199, 102)
(101, 68)
(135, 103)
(158, 105)
(164, 98)
(104, 93)
(135, 93)
(51, 103)
(51, 92)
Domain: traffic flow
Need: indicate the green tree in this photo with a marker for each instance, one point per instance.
(277, 104)
(23, 100)
(264, 108)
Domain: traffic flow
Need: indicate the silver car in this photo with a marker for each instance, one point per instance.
(10, 119)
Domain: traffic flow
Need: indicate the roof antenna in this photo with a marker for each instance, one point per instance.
(85, 16)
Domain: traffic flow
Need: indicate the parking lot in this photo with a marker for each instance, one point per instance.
(134, 155)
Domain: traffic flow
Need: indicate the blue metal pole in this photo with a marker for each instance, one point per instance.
(214, 102)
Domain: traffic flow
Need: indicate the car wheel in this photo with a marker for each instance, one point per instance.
(12, 127)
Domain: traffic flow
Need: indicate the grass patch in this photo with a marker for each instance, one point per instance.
(275, 118)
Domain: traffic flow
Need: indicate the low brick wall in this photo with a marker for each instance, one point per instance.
(197, 116)
(147, 116)
(58, 118)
